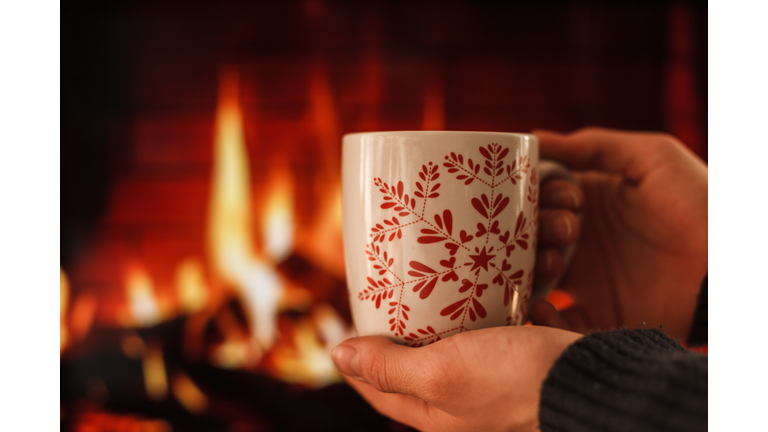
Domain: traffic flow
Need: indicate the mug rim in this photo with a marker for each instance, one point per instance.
(451, 132)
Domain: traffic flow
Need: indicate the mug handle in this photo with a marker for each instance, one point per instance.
(550, 170)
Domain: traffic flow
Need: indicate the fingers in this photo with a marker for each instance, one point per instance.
(557, 228)
(631, 154)
(561, 194)
(549, 265)
(558, 225)
(385, 365)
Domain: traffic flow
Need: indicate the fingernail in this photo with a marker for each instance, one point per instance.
(568, 228)
(348, 361)
(567, 199)
(575, 200)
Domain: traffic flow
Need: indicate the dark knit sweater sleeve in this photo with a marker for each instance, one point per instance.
(626, 380)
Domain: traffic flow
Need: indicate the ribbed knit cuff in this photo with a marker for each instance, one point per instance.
(625, 380)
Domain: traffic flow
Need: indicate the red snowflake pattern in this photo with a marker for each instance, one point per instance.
(467, 252)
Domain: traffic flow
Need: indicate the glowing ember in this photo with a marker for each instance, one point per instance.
(229, 224)
(64, 284)
(560, 299)
(188, 394)
(132, 345)
(155, 381)
(81, 318)
(190, 285)
(95, 420)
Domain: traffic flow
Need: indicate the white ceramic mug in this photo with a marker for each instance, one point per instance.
(440, 230)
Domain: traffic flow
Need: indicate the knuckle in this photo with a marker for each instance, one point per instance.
(666, 144)
(664, 139)
(378, 374)
(437, 377)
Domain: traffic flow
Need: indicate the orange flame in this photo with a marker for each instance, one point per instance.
(560, 299)
(277, 228)
(92, 420)
(155, 380)
(190, 285)
(326, 235)
(143, 308)
(322, 113)
(188, 394)
(83, 312)
(309, 360)
(229, 223)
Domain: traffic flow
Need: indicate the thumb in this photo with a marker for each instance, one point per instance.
(387, 366)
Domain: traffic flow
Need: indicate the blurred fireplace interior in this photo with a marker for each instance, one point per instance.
(201, 261)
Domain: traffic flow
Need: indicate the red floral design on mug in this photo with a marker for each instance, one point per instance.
(466, 259)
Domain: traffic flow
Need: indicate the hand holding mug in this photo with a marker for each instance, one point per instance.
(484, 380)
(642, 254)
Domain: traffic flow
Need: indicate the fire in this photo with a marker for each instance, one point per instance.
(93, 419)
(277, 229)
(64, 299)
(235, 351)
(74, 321)
(190, 285)
(560, 299)
(142, 305)
(308, 361)
(326, 235)
(322, 112)
(155, 380)
(229, 219)
(132, 345)
(188, 394)
(83, 312)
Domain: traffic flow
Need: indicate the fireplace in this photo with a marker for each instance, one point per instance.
(202, 278)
